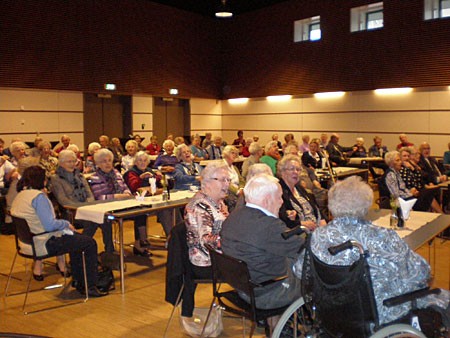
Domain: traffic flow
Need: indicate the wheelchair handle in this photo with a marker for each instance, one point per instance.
(334, 250)
(298, 230)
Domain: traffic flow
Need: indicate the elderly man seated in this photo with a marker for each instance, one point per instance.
(337, 153)
(252, 233)
(215, 149)
(431, 170)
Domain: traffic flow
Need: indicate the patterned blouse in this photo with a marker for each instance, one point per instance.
(49, 165)
(394, 268)
(204, 220)
(412, 177)
(396, 185)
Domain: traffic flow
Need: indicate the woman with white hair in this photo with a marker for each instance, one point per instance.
(395, 269)
(137, 179)
(358, 149)
(256, 151)
(397, 187)
(17, 150)
(89, 165)
(107, 183)
(187, 172)
(46, 161)
(204, 215)
(69, 186)
(299, 207)
(79, 164)
(230, 154)
(166, 161)
(128, 160)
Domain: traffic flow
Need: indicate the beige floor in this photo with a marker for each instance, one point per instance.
(141, 312)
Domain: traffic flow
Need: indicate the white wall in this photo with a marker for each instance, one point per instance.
(26, 113)
(206, 115)
(423, 115)
(142, 108)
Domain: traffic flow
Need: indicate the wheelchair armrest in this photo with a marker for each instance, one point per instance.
(410, 296)
(268, 282)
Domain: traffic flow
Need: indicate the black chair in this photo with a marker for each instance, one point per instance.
(25, 248)
(180, 282)
(235, 273)
(342, 297)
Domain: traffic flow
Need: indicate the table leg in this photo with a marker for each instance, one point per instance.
(122, 263)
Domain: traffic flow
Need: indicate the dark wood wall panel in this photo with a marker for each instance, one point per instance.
(260, 57)
(141, 46)
(147, 48)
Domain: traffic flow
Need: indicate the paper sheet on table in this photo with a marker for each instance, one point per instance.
(406, 206)
(96, 212)
(417, 219)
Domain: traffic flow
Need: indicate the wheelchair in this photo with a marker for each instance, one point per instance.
(338, 301)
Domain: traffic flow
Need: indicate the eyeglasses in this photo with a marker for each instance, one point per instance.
(221, 180)
(294, 169)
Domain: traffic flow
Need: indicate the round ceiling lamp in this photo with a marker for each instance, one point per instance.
(223, 10)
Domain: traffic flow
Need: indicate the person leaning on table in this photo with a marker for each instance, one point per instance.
(32, 204)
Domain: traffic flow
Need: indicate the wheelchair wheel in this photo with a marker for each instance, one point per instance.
(294, 322)
(398, 331)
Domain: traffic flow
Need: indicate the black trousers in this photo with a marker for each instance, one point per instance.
(74, 245)
(90, 228)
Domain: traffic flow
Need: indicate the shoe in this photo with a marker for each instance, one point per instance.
(93, 291)
(39, 278)
(143, 253)
(67, 272)
(144, 243)
(7, 229)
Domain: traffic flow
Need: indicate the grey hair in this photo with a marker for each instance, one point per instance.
(281, 165)
(270, 145)
(228, 150)
(74, 148)
(65, 154)
(289, 147)
(131, 142)
(179, 149)
(16, 146)
(350, 197)
(258, 169)
(167, 143)
(260, 187)
(102, 153)
(91, 147)
(407, 149)
(144, 155)
(211, 168)
(42, 144)
(390, 157)
(254, 148)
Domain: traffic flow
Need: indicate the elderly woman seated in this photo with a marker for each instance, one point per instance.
(46, 161)
(166, 162)
(256, 151)
(413, 178)
(138, 179)
(230, 154)
(107, 183)
(299, 207)
(68, 187)
(89, 165)
(187, 172)
(32, 204)
(358, 150)
(197, 151)
(395, 269)
(128, 160)
(397, 187)
(17, 150)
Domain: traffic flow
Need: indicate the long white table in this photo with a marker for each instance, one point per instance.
(121, 210)
(420, 228)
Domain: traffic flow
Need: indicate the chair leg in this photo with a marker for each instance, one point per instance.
(9, 276)
(26, 294)
(85, 277)
(207, 317)
(252, 329)
(173, 310)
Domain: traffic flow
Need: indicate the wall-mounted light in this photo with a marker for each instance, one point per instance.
(173, 91)
(279, 98)
(223, 10)
(110, 86)
(238, 101)
(329, 95)
(393, 91)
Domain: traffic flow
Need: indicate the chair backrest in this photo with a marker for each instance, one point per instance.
(342, 295)
(23, 237)
(232, 271)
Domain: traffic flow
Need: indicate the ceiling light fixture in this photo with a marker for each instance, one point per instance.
(223, 10)
(238, 100)
(393, 91)
(329, 95)
(279, 98)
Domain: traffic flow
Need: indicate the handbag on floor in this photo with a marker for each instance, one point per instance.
(193, 326)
